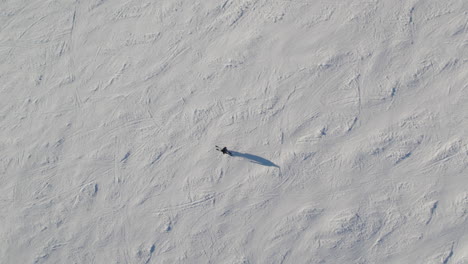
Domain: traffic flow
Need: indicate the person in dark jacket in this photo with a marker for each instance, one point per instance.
(224, 150)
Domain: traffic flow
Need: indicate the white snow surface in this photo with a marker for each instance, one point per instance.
(348, 121)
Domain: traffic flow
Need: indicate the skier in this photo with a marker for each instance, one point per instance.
(224, 150)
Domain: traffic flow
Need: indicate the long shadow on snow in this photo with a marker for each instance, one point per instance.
(254, 159)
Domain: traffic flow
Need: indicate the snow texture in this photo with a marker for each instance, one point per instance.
(347, 120)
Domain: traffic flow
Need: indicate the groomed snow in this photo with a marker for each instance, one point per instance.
(348, 121)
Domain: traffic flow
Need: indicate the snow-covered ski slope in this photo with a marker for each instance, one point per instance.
(347, 120)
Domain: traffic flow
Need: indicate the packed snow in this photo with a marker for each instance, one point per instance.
(347, 121)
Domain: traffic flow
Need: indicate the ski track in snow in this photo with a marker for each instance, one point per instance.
(347, 120)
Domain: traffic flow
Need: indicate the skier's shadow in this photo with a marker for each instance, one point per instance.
(254, 159)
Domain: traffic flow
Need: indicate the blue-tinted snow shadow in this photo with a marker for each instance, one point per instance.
(254, 159)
